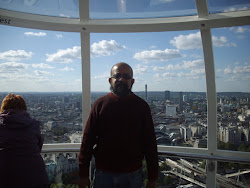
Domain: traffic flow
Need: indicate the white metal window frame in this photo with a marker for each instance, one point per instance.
(203, 22)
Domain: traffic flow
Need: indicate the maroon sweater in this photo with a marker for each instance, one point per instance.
(123, 131)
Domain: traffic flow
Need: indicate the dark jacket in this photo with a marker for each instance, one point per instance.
(20, 145)
(123, 131)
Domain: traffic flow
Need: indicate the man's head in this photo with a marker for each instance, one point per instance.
(12, 101)
(121, 80)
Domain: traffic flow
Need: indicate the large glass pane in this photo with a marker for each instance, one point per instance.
(171, 66)
(180, 173)
(215, 6)
(231, 56)
(62, 169)
(115, 9)
(45, 68)
(233, 175)
(60, 8)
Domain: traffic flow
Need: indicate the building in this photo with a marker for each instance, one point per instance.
(185, 133)
(181, 102)
(170, 110)
(167, 95)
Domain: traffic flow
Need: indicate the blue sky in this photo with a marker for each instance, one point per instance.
(50, 61)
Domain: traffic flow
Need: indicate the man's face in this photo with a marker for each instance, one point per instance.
(121, 80)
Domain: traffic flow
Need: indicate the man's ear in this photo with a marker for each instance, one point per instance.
(110, 80)
(132, 82)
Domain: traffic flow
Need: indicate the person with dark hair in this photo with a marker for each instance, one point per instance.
(120, 134)
(21, 164)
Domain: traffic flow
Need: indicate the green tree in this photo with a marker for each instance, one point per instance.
(242, 147)
(203, 164)
(168, 180)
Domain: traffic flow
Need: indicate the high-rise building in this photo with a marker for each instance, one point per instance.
(146, 92)
(181, 102)
(170, 110)
(185, 98)
(167, 95)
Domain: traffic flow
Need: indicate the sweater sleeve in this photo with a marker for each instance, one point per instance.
(150, 146)
(88, 141)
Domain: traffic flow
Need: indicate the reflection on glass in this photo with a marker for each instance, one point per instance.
(45, 68)
(169, 74)
(232, 68)
(62, 169)
(62, 8)
(215, 6)
(118, 9)
(233, 174)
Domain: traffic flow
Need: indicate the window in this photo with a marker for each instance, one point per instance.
(141, 9)
(171, 67)
(45, 68)
(232, 81)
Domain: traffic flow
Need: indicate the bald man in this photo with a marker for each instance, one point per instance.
(120, 134)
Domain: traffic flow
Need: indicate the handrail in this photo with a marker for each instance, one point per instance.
(205, 156)
(165, 154)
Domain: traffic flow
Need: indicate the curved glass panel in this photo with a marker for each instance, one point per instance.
(59, 8)
(232, 174)
(215, 6)
(118, 9)
(45, 68)
(232, 67)
(171, 66)
(62, 169)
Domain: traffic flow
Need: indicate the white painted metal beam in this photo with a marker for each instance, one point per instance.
(124, 25)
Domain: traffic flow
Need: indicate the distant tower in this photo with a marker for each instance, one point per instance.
(181, 102)
(221, 101)
(185, 98)
(167, 95)
(146, 92)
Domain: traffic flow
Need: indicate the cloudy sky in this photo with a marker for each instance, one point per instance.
(50, 61)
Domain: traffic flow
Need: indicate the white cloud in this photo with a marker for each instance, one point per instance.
(193, 64)
(193, 41)
(222, 41)
(166, 68)
(168, 74)
(42, 66)
(12, 67)
(233, 9)
(219, 70)
(200, 71)
(196, 64)
(157, 2)
(157, 55)
(227, 70)
(59, 36)
(242, 69)
(13, 55)
(67, 69)
(187, 42)
(241, 30)
(139, 69)
(237, 73)
(42, 73)
(105, 48)
(105, 75)
(193, 75)
(65, 56)
(40, 34)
